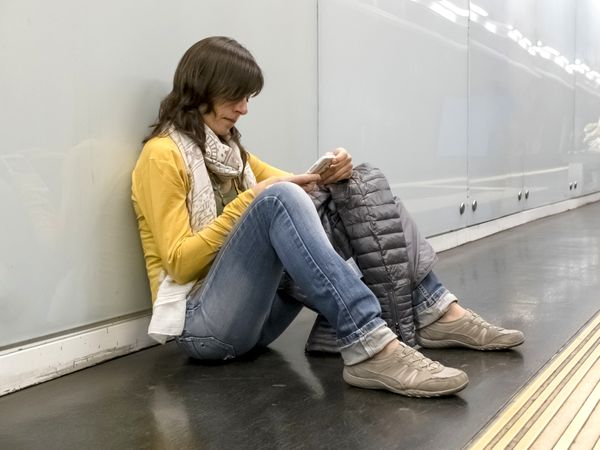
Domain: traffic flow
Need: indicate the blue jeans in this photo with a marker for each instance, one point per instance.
(430, 300)
(238, 308)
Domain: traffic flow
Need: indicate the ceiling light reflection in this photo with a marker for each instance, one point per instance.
(544, 53)
(444, 12)
(525, 43)
(478, 10)
(551, 50)
(515, 35)
(592, 74)
(561, 61)
(492, 28)
(455, 9)
(450, 11)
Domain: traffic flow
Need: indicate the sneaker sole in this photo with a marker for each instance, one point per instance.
(449, 343)
(369, 383)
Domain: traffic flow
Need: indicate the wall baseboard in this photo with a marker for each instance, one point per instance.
(456, 238)
(40, 361)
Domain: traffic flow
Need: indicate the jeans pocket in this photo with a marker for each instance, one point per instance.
(207, 348)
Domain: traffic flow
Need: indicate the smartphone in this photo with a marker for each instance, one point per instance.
(321, 164)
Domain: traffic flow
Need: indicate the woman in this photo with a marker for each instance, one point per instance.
(219, 227)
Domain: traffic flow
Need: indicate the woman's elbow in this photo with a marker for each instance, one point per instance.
(188, 266)
(181, 274)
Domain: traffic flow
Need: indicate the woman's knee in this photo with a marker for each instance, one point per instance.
(289, 194)
(283, 189)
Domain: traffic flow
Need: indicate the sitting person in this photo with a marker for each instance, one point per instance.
(220, 228)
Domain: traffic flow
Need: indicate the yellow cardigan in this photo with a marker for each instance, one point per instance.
(159, 191)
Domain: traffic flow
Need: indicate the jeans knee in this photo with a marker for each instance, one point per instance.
(284, 189)
(288, 195)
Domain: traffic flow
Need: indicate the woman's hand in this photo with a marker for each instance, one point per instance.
(307, 181)
(340, 168)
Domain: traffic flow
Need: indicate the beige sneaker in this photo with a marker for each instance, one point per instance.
(469, 331)
(406, 371)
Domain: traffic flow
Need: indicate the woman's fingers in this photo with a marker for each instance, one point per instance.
(309, 187)
(337, 173)
(340, 168)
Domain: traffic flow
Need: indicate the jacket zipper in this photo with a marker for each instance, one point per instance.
(395, 315)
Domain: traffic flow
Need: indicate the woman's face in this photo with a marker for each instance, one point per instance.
(225, 114)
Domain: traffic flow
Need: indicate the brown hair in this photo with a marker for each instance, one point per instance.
(215, 68)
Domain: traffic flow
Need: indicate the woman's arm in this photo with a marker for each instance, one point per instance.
(160, 187)
(160, 192)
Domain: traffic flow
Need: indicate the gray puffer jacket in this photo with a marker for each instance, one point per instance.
(365, 222)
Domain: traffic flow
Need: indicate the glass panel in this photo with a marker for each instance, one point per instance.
(546, 157)
(84, 81)
(585, 159)
(502, 77)
(393, 90)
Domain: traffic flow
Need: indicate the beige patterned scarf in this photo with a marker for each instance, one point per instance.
(225, 162)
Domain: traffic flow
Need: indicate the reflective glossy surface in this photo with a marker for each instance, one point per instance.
(543, 278)
(80, 84)
(585, 157)
(521, 105)
(462, 101)
(457, 101)
(393, 90)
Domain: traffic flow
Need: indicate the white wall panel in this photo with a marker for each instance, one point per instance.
(546, 158)
(502, 78)
(585, 157)
(80, 83)
(393, 90)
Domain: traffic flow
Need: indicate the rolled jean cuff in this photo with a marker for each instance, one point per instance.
(366, 342)
(435, 311)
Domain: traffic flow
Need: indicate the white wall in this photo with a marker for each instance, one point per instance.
(79, 85)
(454, 110)
(461, 101)
(393, 89)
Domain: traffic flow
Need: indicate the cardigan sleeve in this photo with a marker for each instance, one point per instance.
(160, 187)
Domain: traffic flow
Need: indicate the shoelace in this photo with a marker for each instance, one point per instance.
(417, 358)
(478, 320)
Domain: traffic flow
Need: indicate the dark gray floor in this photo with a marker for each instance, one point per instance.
(543, 278)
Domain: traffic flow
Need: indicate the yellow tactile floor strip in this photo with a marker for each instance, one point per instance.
(569, 411)
(564, 396)
(580, 420)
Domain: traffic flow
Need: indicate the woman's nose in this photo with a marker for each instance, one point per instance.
(241, 107)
